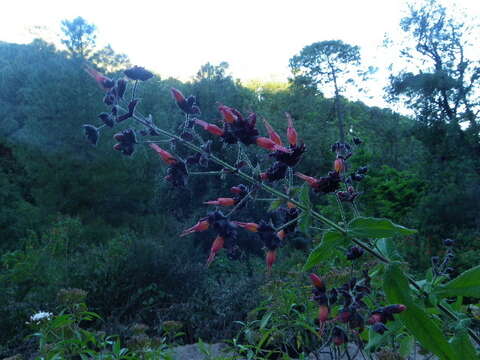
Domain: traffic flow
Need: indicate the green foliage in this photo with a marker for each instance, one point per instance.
(466, 284)
(391, 193)
(329, 244)
(376, 228)
(415, 318)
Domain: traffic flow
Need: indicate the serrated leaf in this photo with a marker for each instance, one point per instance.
(466, 284)
(373, 228)
(415, 319)
(324, 250)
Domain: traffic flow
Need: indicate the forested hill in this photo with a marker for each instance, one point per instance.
(77, 216)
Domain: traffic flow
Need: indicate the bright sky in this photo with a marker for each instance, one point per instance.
(256, 37)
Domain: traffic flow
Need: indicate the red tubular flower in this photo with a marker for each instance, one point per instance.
(291, 132)
(212, 129)
(236, 189)
(272, 134)
(310, 180)
(177, 95)
(270, 145)
(270, 258)
(104, 82)
(317, 282)
(339, 165)
(227, 114)
(221, 202)
(165, 155)
(216, 247)
(323, 312)
(253, 227)
(202, 225)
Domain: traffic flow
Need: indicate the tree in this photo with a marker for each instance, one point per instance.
(80, 37)
(444, 83)
(440, 85)
(328, 63)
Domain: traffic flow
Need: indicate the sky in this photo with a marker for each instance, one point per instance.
(256, 37)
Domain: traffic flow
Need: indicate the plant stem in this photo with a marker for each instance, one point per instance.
(299, 205)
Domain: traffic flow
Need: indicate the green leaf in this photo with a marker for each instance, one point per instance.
(407, 344)
(461, 340)
(265, 320)
(305, 196)
(387, 248)
(466, 284)
(373, 228)
(415, 319)
(275, 204)
(304, 223)
(330, 240)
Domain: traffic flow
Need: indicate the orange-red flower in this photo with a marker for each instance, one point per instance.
(272, 134)
(221, 202)
(339, 165)
(308, 179)
(213, 129)
(202, 225)
(291, 132)
(103, 81)
(216, 247)
(165, 155)
(270, 258)
(228, 114)
(250, 226)
(270, 145)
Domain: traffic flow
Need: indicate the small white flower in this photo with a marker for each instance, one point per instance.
(41, 315)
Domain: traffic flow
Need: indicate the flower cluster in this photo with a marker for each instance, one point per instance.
(352, 311)
(40, 316)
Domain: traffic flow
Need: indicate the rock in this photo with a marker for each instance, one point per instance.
(201, 352)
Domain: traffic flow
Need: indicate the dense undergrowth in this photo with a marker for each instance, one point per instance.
(78, 217)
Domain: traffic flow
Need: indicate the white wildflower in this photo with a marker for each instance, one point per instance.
(39, 316)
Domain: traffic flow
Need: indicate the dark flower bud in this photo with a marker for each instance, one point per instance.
(121, 87)
(344, 315)
(379, 327)
(131, 106)
(362, 170)
(187, 136)
(357, 177)
(138, 73)
(357, 141)
(276, 172)
(354, 253)
(435, 259)
(338, 336)
(106, 119)
(92, 133)
(448, 242)
(109, 98)
(394, 309)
